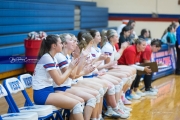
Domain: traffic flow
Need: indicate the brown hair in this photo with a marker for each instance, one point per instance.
(84, 40)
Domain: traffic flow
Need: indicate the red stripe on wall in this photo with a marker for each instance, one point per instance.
(143, 19)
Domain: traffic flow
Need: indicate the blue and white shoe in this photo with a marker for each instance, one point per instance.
(111, 113)
(135, 96)
(128, 95)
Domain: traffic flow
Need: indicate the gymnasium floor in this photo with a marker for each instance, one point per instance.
(164, 106)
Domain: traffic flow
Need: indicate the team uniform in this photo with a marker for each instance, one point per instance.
(42, 83)
(109, 50)
(130, 56)
(146, 54)
(95, 54)
(93, 73)
(63, 62)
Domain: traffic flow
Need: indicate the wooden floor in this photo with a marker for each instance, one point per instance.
(164, 106)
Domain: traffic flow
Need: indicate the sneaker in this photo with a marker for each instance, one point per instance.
(141, 79)
(122, 114)
(150, 93)
(129, 97)
(126, 101)
(138, 92)
(154, 90)
(100, 117)
(121, 105)
(111, 113)
(135, 96)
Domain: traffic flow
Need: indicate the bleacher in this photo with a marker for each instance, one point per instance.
(19, 17)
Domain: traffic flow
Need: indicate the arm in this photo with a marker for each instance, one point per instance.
(86, 70)
(146, 61)
(173, 38)
(120, 52)
(164, 38)
(72, 74)
(140, 68)
(59, 78)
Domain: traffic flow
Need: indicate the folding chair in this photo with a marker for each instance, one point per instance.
(13, 86)
(15, 116)
(26, 80)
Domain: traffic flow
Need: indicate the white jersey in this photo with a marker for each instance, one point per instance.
(93, 72)
(41, 78)
(109, 50)
(62, 63)
(74, 81)
(96, 53)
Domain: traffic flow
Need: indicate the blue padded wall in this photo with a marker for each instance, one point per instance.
(34, 6)
(93, 17)
(19, 17)
(59, 2)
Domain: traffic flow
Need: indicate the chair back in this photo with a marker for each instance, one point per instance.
(13, 85)
(26, 80)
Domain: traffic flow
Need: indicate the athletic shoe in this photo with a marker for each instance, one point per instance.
(135, 96)
(128, 95)
(111, 113)
(121, 105)
(150, 93)
(126, 101)
(121, 113)
(154, 90)
(138, 92)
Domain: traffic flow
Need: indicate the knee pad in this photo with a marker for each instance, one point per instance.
(83, 104)
(101, 92)
(91, 102)
(98, 98)
(125, 80)
(77, 108)
(111, 91)
(121, 84)
(130, 78)
(134, 76)
(105, 89)
(117, 88)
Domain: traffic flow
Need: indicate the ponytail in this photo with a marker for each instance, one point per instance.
(103, 38)
(84, 40)
(46, 44)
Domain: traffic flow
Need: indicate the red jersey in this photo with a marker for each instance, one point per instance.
(130, 56)
(117, 47)
(146, 54)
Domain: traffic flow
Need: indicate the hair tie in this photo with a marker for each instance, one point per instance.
(83, 39)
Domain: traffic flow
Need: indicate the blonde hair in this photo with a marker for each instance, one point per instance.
(63, 37)
(84, 40)
(139, 40)
(72, 35)
(103, 38)
(106, 35)
(110, 33)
